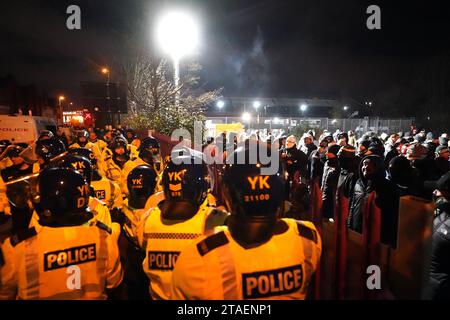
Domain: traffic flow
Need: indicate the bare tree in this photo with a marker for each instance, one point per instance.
(152, 93)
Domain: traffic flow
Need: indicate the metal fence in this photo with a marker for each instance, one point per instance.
(358, 125)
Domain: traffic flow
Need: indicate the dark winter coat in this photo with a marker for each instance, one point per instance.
(315, 167)
(439, 288)
(386, 198)
(329, 186)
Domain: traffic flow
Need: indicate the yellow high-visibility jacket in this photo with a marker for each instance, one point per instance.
(217, 267)
(63, 263)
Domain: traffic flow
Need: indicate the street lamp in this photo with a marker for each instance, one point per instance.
(246, 117)
(60, 99)
(345, 108)
(256, 105)
(220, 104)
(303, 108)
(106, 72)
(178, 36)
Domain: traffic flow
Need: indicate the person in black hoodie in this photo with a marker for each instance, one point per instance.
(348, 162)
(372, 178)
(425, 168)
(295, 163)
(316, 162)
(329, 181)
(402, 174)
(439, 277)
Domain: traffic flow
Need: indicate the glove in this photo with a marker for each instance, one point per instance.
(117, 216)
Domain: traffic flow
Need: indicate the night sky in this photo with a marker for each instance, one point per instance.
(279, 48)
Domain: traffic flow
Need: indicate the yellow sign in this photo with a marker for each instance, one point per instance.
(232, 127)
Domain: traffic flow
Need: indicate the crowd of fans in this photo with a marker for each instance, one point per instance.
(391, 166)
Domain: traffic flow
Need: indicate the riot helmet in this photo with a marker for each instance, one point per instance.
(82, 138)
(87, 153)
(76, 162)
(130, 135)
(149, 149)
(253, 199)
(45, 134)
(119, 148)
(141, 183)
(63, 198)
(185, 180)
(48, 149)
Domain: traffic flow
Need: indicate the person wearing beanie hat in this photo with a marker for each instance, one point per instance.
(330, 180)
(442, 159)
(376, 147)
(402, 174)
(343, 136)
(443, 139)
(424, 166)
(363, 148)
(307, 144)
(419, 138)
(416, 151)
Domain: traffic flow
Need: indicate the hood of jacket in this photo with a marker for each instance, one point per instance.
(379, 172)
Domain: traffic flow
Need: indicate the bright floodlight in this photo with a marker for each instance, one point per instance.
(303, 107)
(177, 33)
(246, 117)
(220, 104)
(256, 104)
(345, 108)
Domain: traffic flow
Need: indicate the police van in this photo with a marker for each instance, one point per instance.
(24, 129)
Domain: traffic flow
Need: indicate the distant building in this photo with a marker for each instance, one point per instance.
(107, 102)
(16, 98)
(273, 107)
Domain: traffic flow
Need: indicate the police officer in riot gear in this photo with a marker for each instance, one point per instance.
(132, 138)
(19, 167)
(141, 183)
(183, 216)
(118, 161)
(65, 257)
(47, 150)
(257, 255)
(120, 152)
(76, 162)
(104, 189)
(81, 140)
(83, 166)
(149, 153)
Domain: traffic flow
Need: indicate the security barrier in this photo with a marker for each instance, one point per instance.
(358, 266)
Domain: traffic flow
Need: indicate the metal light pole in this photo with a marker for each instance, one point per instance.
(106, 72)
(177, 33)
(61, 98)
(176, 80)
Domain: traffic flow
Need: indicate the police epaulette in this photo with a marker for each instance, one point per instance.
(212, 242)
(103, 226)
(306, 232)
(22, 235)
